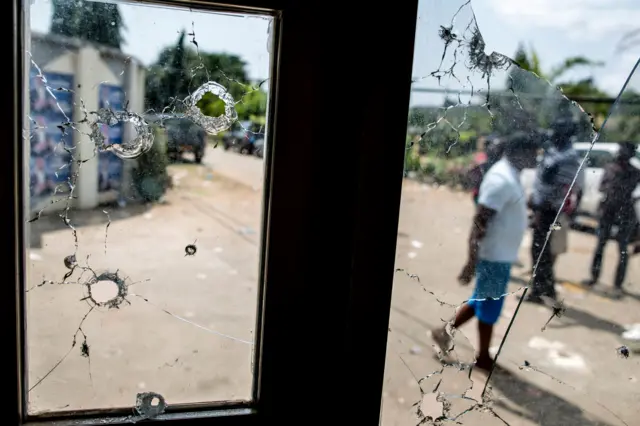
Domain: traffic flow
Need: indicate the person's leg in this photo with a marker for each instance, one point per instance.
(442, 337)
(495, 282)
(625, 230)
(537, 241)
(467, 310)
(549, 284)
(543, 281)
(483, 359)
(604, 231)
(635, 237)
(536, 245)
(555, 244)
(464, 314)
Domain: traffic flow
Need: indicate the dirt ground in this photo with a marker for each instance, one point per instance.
(139, 347)
(186, 327)
(575, 376)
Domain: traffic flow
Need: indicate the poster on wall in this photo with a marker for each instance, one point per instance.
(51, 105)
(110, 166)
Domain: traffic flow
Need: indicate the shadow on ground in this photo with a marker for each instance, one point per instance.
(52, 221)
(189, 159)
(599, 289)
(576, 317)
(517, 395)
(536, 404)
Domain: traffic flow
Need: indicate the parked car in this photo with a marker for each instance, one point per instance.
(243, 137)
(601, 154)
(234, 136)
(183, 135)
(259, 147)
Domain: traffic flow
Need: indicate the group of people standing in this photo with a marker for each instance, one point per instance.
(555, 174)
(502, 218)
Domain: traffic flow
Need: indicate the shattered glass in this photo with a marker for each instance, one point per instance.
(144, 204)
(566, 360)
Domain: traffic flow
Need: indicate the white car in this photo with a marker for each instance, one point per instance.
(601, 154)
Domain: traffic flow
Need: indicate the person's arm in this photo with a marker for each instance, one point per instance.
(547, 173)
(575, 196)
(474, 176)
(493, 196)
(478, 231)
(579, 194)
(607, 177)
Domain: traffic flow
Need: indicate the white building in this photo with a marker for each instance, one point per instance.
(95, 72)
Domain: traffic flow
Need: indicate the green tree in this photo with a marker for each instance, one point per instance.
(168, 77)
(557, 76)
(150, 175)
(93, 21)
(180, 69)
(530, 61)
(624, 122)
(251, 106)
(177, 70)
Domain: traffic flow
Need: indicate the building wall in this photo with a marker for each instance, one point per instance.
(90, 66)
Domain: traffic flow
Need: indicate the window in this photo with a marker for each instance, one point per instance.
(526, 328)
(125, 160)
(313, 302)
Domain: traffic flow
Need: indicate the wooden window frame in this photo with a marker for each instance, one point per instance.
(337, 124)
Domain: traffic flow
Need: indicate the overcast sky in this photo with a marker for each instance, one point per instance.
(150, 28)
(557, 29)
(563, 28)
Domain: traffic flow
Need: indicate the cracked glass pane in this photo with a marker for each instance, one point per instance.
(144, 132)
(507, 308)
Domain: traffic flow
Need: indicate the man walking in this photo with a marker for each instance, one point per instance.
(554, 176)
(617, 209)
(498, 227)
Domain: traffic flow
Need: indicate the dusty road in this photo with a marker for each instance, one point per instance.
(202, 352)
(576, 371)
(245, 169)
(184, 356)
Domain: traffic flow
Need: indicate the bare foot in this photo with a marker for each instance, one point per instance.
(442, 339)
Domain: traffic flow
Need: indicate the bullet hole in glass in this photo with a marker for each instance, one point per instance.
(623, 351)
(70, 261)
(190, 250)
(106, 290)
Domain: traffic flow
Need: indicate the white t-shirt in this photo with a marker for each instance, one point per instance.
(501, 191)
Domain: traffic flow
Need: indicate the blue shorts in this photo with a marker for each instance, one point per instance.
(492, 279)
